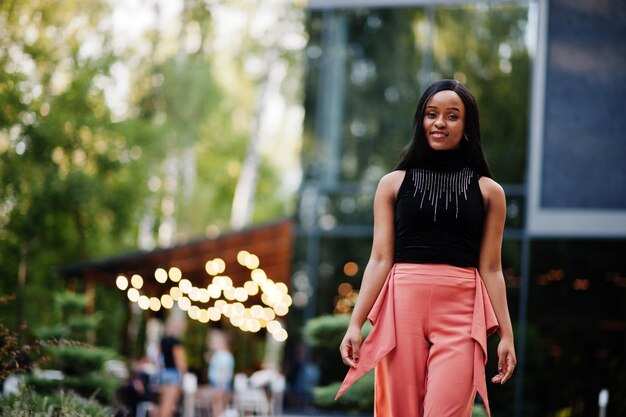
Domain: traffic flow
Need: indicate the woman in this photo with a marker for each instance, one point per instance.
(433, 285)
(220, 373)
(174, 366)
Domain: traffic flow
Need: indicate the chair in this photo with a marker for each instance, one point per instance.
(202, 402)
(249, 399)
(273, 384)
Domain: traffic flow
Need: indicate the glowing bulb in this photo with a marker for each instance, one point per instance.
(268, 287)
(251, 287)
(282, 288)
(121, 282)
(242, 257)
(214, 314)
(221, 305)
(258, 276)
(281, 309)
(160, 275)
(237, 309)
(257, 311)
(184, 303)
(203, 295)
(241, 294)
(193, 312)
(243, 325)
(227, 281)
(143, 302)
(229, 293)
(264, 299)
(252, 261)
(185, 285)
(203, 316)
(286, 300)
(268, 314)
(211, 268)
(175, 274)
(155, 304)
(273, 326)
(221, 265)
(136, 281)
(236, 320)
(176, 293)
(214, 291)
(254, 326)
(280, 336)
(133, 294)
(167, 301)
(194, 293)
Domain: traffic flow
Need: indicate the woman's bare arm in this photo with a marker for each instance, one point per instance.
(180, 360)
(490, 269)
(378, 266)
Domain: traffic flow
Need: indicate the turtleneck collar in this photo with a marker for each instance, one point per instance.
(449, 160)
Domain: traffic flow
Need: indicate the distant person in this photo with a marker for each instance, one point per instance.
(174, 366)
(135, 389)
(302, 378)
(221, 371)
(433, 286)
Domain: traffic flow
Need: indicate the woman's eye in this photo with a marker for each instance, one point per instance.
(431, 115)
(453, 117)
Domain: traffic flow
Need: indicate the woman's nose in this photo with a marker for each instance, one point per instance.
(440, 122)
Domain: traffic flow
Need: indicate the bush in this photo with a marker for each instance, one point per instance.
(360, 396)
(75, 360)
(90, 385)
(81, 364)
(62, 404)
(324, 333)
(328, 331)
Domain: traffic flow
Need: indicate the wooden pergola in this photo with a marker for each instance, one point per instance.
(272, 244)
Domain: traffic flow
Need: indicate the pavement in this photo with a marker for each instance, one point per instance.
(319, 413)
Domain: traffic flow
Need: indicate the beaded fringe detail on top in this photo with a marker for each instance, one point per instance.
(441, 187)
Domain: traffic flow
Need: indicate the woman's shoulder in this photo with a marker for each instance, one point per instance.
(393, 177)
(490, 185)
(491, 190)
(391, 182)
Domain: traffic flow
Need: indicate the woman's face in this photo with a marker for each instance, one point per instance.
(444, 121)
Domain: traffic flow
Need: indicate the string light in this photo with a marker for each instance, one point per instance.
(136, 281)
(175, 274)
(275, 295)
(121, 282)
(160, 275)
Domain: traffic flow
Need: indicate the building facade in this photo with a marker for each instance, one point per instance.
(548, 76)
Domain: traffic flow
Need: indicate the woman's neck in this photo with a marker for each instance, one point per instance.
(447, 160)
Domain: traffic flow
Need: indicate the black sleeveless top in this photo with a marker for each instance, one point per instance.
(439, 213)
(167, 349)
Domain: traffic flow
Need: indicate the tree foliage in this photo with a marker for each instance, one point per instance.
(87, 169)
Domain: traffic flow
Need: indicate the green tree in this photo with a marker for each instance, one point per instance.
(67, 176)
(81, 364)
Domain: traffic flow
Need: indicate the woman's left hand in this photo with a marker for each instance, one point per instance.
(506, 361)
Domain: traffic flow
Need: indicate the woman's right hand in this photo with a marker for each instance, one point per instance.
(350, 345)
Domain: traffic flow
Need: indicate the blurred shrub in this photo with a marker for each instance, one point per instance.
(81, 364)
(360, 396)
(62, 404)
(328, 331)
(325, 334)
(75, 360)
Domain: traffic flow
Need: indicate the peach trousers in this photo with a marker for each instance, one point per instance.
(428, 342)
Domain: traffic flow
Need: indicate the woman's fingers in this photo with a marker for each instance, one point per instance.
(508, 369)
(349, 352)
(506, 366)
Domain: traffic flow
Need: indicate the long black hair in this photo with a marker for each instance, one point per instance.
(416, 152)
